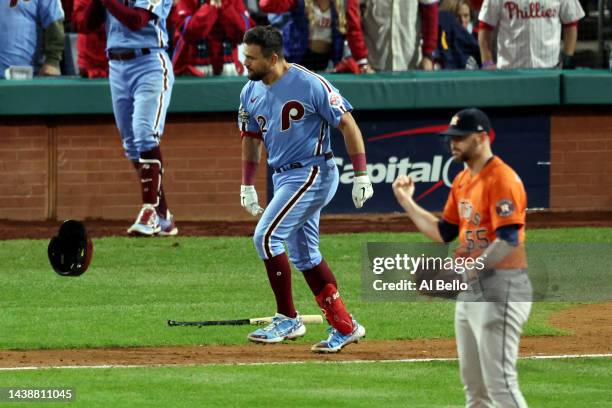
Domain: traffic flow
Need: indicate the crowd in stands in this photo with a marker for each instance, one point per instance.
(357, 36)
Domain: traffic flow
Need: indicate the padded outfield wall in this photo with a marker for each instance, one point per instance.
(61, 156)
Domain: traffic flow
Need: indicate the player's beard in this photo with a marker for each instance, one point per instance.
(462, 157)
(466, 155)
(255, 75)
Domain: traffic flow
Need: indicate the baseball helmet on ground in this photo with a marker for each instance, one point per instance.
(70, 251)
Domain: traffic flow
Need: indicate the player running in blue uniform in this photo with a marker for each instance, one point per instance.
(290, 109)
(141, 80)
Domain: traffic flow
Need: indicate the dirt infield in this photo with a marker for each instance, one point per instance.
(329, 224)
(590, 326)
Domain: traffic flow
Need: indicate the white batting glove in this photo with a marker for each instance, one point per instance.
(248, 200)
(362, 190)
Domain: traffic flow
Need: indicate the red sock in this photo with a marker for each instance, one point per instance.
(150, 169)
(331, 303)
(162, 208)
(318, 277)
(149, 182)
(279, 274)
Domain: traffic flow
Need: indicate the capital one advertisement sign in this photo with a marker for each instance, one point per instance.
(400, 143)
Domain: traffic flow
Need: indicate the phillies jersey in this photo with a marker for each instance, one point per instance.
(529, 30)
(153, 35)
(18, 24)
(292, 116)
(480, 204)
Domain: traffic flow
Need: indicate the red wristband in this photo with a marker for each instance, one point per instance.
(133, 18)
(249, 169)
(360, 167)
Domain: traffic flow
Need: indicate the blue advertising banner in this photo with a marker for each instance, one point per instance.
(407, 143)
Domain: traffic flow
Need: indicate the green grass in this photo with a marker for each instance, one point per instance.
(545, 383)
(135, 285)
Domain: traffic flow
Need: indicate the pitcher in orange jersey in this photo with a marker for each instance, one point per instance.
(486, 211)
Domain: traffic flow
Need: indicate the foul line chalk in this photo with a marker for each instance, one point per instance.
(404, 360)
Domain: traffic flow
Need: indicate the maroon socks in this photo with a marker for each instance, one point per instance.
(279, 274)
(150, 170)
(321, 281)
(318, 277)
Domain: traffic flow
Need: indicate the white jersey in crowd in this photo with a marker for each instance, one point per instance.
(529, 33)
(392, 33)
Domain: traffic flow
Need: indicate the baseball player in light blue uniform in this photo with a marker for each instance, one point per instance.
(141, 79)
(18, 25)
(289, 109)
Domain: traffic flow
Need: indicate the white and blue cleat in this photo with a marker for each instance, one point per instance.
(147, 222)
(167, 228)
(282, 328)
(336, 340)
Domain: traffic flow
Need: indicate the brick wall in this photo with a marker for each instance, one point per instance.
(581, 161)
(62, 168)
(23, 170)
(94, 180)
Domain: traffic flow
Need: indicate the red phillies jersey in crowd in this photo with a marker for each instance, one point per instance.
(91, 47)
(203, 30)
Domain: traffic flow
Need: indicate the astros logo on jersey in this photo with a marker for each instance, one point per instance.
(467, 212)
(504, 207)
(465, 209)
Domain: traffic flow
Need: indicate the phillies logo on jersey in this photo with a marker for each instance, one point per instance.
(292, 111)
(335, 99)
(533, 10)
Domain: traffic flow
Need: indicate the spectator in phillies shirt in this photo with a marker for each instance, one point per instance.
(207, 35)
(91, 47)
(316, 31)
(529, 33)
(392, 33)
(19, 21)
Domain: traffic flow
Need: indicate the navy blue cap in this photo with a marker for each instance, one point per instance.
(468, 121)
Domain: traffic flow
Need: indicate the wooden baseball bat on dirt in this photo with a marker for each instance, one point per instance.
(255, 321)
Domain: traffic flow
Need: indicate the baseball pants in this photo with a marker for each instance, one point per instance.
(141, 90)
(488, 335)
(292, 216)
